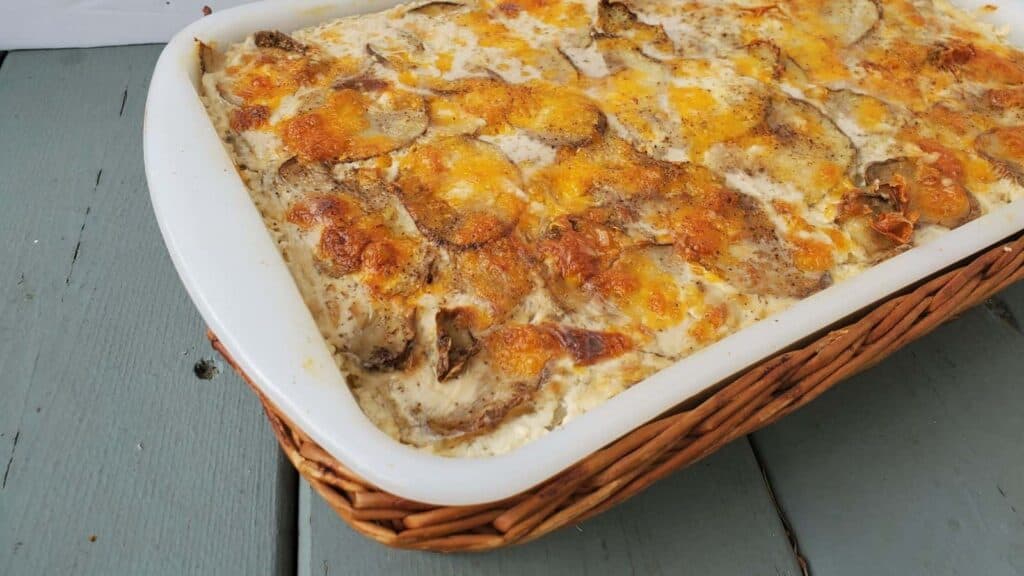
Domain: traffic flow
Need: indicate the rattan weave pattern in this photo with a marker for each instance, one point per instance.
(622, 469)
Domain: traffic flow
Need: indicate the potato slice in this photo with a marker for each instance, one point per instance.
(436, 8)
(1004, 148)
(497, 273)
(455, 342)
(758, 261)
(574, 250)
(806, 132)
(867, 110)
(361, 118)
(730, 233)
(472, 105)
(768, 58)
(497, 382)
(556, 116)
(876, 221)
(932, 186)
(460, 191)
(796, 145)
(616, 19)
(303, 179)
(605, 172)
(386, 335)
(279, 40)
(851, 20)
(400, 50)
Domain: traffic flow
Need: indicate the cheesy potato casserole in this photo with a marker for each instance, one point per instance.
(502, 213)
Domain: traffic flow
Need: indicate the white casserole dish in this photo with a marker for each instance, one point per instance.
(243, 289)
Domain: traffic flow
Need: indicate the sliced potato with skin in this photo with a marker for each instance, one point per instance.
(460, 191)
(436, 8)
(616, 19)
(796, 145)
(556, 67)
(730, 233)
(876, 221)
(349, 239)
(552, 114)
(471, 105)
(762, 263)
(497, 273)
(306, 178)
(734, 106)
(386, 336)
(358, 120)
(637, 286)
(803, 129)
(497, 382)
(455, 342)
(587, 347)
(379, 334)
(622, 54)
(602, 173)
(508, 366)
(279, 40)
(631, 93)
(851, 19)
(872, 125)
(866, 108)
(933, 186)
(399, 50)
(769, 58)
(1004, 148)
(573, 250)
(555, 115)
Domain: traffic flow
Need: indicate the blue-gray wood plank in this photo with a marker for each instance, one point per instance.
(115, 458)
(915, 467)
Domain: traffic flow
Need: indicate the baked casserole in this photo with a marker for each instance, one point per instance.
(503, 213)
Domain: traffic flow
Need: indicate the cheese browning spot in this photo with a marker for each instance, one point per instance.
(249, 118)
(521, 350)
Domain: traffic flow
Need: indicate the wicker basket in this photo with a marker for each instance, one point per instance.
(681, 437)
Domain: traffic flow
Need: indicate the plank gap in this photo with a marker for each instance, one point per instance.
(288, 517)
(794, 542)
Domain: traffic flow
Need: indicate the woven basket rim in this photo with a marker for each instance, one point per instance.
(755, 398)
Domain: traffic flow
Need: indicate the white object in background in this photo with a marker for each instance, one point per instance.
(84, 23)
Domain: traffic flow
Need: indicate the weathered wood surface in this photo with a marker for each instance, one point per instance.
(115, 458)
(714, 518)
(916, 466)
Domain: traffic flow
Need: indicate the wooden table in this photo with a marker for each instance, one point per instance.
(119, 457)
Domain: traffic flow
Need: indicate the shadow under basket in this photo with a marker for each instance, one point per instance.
(680, 437)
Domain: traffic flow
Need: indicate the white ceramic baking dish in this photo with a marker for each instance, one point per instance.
(242, 288)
